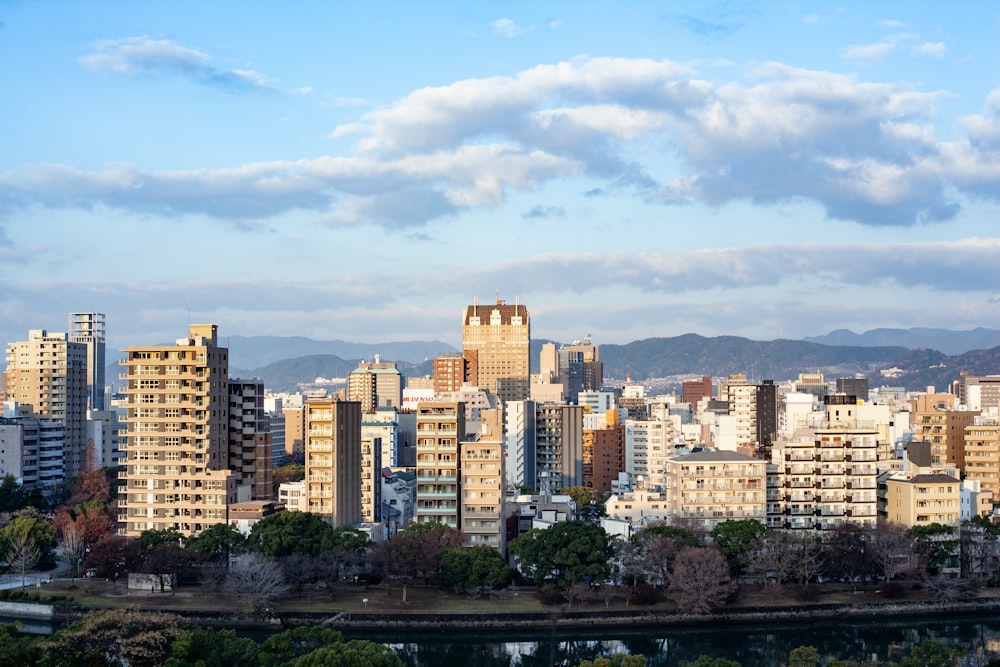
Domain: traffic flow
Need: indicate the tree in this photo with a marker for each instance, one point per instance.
(114, 556)
(115, 637)
(708, 661)
(168, 561)
(701, 580)
(619, 660)
(150, 539)
(216, 542)
(256, 580)
(979, 547)
(889, 547)
(681, 537)
(477, 569)
(34, 529)
(21, 553)
(736, 539)
(288, 533)
(280, 649)
(355, 653)
(73, 549)
(930, 653)
(847, 554)
(935, 546)
(204, 647)
(566, 553)
(787, 556)
(413, 553)
(805, 656)
(90, 521)
(90, 486)
(12, 494)
(589, 503)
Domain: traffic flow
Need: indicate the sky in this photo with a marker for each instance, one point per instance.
(362, 171)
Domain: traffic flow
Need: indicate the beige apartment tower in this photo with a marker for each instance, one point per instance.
(47, 376)
(440, 430)
(333, 460)
(176, 447)
(482, 483)
(498, 338)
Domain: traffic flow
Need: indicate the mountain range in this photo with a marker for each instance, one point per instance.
(287, 362)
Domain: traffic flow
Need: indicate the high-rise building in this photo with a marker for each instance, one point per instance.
(499, 336)
(766, 406)
(375, 385)
(451, 371)
(250, 440)
(519, 449)
(440, 429)
(371, 478)
(944, 429)
(855, 386)
(333, 460)
(176, 446)
(603, 450)
(482, 483)
(47, 377)
(982, 452)
(32, 451)
(558, 447)
(295, 427)
(91, 329)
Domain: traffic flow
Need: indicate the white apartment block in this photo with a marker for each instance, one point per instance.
(708, 487)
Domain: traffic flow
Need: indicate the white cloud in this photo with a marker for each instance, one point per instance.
(162, 57)
(932, 49)
(304, 90)
(864, 151)
(869, 53)
(507, 28)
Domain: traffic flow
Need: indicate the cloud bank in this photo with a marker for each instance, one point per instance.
(863, 151)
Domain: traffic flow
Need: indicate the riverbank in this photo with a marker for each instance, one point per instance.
(356, 609)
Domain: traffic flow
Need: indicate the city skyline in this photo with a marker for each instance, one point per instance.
(362, 171)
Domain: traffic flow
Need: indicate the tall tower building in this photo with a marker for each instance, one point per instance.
(482, 483)
(177, 451)
(558, 447)
(47, 377)
(90, 329)
(250, 442)
(498, 338)
(440, 429)
(333, 460)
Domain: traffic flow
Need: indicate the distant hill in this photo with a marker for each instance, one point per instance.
(943, 340)
(652, 358)
(725, 355)
(258, 351)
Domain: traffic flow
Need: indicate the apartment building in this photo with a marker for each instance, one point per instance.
(982, 452)
(176, 449)
(32, 451)
(333, 460)
(922, 499)
(827, 476)
(603, 450)
(91, 330)
(375, 385)
(440, 430)
(519, 432)
(934, 421)
(47, 377)
(250, 456)
(371, 478)
(482, 484)
(295, 431)
(558, 447)
(707, 487)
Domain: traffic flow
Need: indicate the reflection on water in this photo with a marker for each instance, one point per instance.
(750, 645)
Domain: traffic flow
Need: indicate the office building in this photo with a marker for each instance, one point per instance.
(558, 447)
(497, 337)
(375, 385)
(603, 450)
(250, 442)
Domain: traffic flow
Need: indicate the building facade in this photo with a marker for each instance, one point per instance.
(333, 460)
(176, 444)
(499, 337)
(440, 430)
(91, 330)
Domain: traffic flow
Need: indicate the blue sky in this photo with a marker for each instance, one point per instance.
(363, 170)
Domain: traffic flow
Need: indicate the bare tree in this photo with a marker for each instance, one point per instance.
(256, 580)
(22, 554)
(73, 549)
(890, 547)
(701, 579)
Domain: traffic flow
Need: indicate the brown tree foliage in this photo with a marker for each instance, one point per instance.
(701, 580)
(114, 555)
(116, 637)
(413, 554)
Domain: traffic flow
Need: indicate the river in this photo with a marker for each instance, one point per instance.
(751, 645)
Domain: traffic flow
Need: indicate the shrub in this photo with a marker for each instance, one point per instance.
(645, 595)
(551, 596)
(807, 592)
